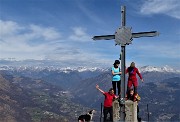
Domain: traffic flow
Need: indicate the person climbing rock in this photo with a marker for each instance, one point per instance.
(132, 79)
(130, 96)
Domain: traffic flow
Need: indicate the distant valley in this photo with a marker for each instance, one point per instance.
(33, 100)
(53, 94)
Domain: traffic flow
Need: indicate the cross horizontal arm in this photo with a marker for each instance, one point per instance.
(145, 34)
(104, 37)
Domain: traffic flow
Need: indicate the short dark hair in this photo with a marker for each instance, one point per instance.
(111, 89)
(116, 62)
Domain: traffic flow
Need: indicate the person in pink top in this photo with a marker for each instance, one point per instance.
(109, 97)
(132, 79)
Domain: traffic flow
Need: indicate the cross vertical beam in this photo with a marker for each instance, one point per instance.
(124, 36)
(123, 58)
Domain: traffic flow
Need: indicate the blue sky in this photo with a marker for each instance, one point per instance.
(61, 30)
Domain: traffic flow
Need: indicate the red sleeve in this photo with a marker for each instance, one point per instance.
(105, 93)
(126, 70)
(114, 96)
(137, 71)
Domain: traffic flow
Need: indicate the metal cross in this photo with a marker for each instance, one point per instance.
(124, 36)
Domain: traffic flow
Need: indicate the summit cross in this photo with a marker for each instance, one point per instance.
(124, 36)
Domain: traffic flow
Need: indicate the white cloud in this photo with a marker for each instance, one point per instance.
(26, 42)
(48, 33)
(79, 34)
(157, 49)
(37, 42)
(167, 7)
(9, 28)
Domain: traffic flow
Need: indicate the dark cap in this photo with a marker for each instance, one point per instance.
(116, 62)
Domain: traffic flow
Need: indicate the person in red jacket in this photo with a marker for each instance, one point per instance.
(109, 97)
(132, 79)
(130, 96)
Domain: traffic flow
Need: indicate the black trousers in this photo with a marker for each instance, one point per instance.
(118, 85)
(138, 117)
(106, 111)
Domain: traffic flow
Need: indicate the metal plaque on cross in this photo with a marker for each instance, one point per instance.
(124, 36)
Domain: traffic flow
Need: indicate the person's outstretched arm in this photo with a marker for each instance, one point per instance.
(97, 87)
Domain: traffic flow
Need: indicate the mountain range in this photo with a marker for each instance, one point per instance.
(162, 97)
(32, 100)
(81, 68)
(53, 93)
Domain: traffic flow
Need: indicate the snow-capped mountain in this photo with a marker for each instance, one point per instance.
(53, 68)
(40, 65)
(158, 69)
(84, 69)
